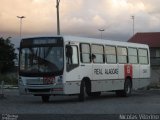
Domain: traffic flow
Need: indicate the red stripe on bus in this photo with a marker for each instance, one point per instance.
(128, 70)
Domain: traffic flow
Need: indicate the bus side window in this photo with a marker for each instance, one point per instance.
(143, 56)
(98, 52)
(85, 53)
(122, 55)
(71, 57)
(110, 52)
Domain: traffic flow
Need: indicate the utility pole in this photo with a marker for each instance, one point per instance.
(20, 31)
(101, 30)
(132, 17)
(58, 21)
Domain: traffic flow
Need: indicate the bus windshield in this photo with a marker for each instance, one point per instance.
(41, 59)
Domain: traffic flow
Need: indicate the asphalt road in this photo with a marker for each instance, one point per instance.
(141, 102)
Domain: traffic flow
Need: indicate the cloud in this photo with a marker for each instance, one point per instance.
(152, 6)
(80, 17)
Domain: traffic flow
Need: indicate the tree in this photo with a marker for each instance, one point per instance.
(7, 55)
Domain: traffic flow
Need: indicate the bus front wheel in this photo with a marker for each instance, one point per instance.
(82, 94)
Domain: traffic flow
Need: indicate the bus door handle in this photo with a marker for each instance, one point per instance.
(82, 65)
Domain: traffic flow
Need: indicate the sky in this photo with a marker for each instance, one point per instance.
(79, 18)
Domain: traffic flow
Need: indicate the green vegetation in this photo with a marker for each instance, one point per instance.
(7, 55)
(8, 71)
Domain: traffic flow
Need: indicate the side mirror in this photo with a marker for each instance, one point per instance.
(69, 51)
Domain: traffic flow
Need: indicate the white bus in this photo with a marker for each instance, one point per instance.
(65, 65)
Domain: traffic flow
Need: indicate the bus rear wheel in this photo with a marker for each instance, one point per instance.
(127, 88)
(126, 92)
(45, 98)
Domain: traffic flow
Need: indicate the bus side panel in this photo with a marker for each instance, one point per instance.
(143, 79)
(74, 77)
(121, 74)
(135, 77)
(107, 85)
(144, 76)
(105, 77)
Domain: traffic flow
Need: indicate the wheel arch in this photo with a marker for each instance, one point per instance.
(88, 84)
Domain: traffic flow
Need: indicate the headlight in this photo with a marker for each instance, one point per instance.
(20, 81)
(60, 79)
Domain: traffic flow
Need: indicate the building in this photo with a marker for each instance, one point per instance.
(153, 40)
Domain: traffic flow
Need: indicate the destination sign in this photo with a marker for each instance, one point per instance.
(44, 41)
(41, 41)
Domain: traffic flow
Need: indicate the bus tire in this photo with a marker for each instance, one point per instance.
(127, 88)
(82, 94)
(45, 98)
(126, 92)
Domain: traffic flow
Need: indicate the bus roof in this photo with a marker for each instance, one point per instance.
(102, 41)
(95, 41)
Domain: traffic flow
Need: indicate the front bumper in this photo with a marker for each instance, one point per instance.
(41, 89)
